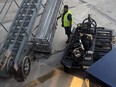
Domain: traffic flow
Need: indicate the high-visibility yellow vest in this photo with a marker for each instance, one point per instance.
(66, 22)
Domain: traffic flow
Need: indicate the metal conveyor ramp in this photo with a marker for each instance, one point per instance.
(13, 60)
(47, 27)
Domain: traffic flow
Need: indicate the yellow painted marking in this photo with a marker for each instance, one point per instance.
(77, 82)
(40, 79)
(87, 82)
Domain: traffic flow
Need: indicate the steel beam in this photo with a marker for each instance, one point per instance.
(47, 26)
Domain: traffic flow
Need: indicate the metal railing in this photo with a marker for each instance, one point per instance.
(6, 12)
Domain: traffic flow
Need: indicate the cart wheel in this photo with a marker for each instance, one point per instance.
(9, 65)
(23, 70)
(66, 69)
(26, 66)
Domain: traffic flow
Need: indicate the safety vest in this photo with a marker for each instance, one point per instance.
(66, 22)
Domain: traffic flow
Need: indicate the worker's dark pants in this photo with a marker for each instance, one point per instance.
(68, 31)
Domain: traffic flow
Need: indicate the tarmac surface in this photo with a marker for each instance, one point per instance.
(48, 72)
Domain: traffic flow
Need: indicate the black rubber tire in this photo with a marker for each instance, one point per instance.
(9, 65)
(25, 72)
(22, 73)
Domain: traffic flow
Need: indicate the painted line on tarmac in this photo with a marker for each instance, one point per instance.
(41, 79)
(100, 12)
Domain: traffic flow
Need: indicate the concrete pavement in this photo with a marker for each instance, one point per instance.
(43, 73)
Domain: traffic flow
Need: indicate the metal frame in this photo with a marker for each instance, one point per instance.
(15, 43)
(16, 48)
(94, 53)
